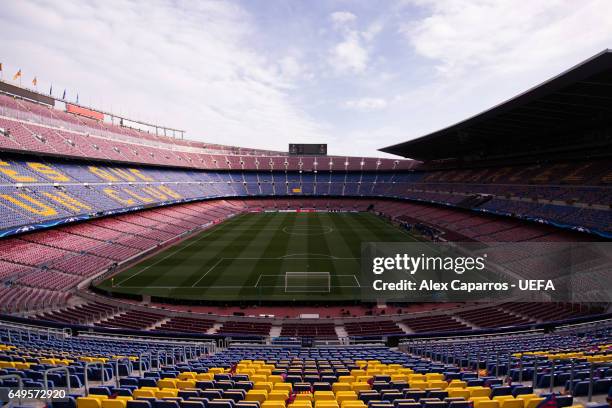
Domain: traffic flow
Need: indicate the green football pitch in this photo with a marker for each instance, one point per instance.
(262, 256)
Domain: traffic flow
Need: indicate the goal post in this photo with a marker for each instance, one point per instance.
(307, 282)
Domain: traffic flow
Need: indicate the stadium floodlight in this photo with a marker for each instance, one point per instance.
(307, 282)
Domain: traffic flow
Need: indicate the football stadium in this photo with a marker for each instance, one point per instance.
(142, 268)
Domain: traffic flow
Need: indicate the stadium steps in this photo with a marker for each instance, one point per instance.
(157, 324)
(275, 331)
(405, 328)
(214, 329)
(108, 317)
(341, 332)
(523, 316)
(463, 321)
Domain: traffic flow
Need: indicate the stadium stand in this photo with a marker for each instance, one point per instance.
(449, 373)
(81, 197)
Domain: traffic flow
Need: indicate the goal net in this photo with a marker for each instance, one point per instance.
(300, 282)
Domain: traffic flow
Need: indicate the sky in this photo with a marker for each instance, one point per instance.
(359, 75)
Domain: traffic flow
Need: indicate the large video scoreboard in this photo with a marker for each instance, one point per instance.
(307, 149)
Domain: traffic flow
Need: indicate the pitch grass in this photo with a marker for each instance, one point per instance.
(246, 257)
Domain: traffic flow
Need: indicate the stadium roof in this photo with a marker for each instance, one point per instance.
(578, 99)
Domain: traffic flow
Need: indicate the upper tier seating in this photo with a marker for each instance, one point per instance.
(37, 192)
(30, 127)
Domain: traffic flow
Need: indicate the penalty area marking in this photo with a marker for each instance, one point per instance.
(306, 230)
(283, 275)
(300, 256)
(255, 286)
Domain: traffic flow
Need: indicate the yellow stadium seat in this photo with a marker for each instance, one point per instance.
(360, 386)
(113, 403)
(457, 384)
(187, 375)
(259, 378)
(143, 393)
(441, 384)
(303, 397)
(275, 379)
(86, 402)
(416, 377)
(256, 395)
(421, 385)
(205, 376)
(300, 404)
(173, 391)
(346, 379)
(165, 393)
(458, 392)
(346, 396)
(283, 386)
(326, 404)
(124, 398)
(324, 396)
(527, 397)
(273, 404)
(98, 397)
(264, 385)
(278, 395)
(486, 404)
(182, 384)
(501, 398)
(473, 399)
(216, 370)
(534, 402)
(511, 403)
(340, 386)
(434, 377)
(353, 404)
(479, 391)
(167, 383)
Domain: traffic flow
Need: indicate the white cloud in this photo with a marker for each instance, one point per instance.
(189, 65)
(343, 17)
(233, 73)
(352, 53)
(466, 37)
(366, 104)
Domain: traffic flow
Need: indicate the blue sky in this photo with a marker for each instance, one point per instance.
(359, 75)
